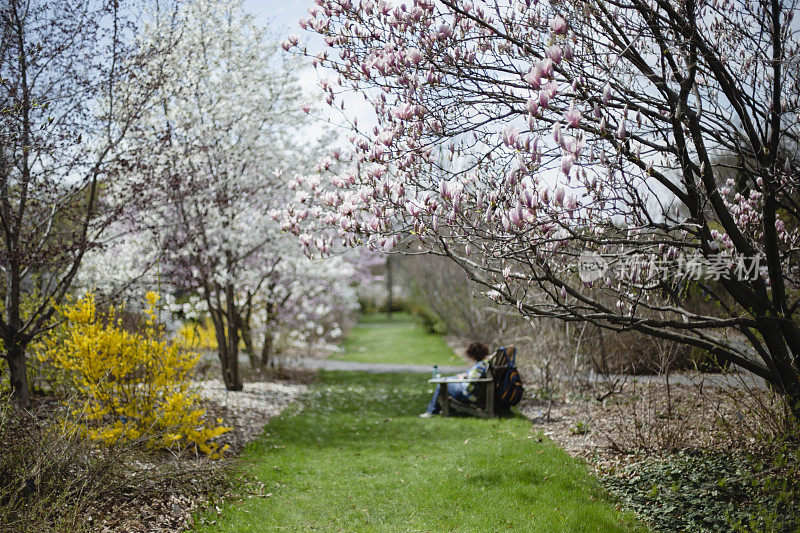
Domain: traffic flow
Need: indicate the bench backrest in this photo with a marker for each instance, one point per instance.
(500, 362)
(507, 380)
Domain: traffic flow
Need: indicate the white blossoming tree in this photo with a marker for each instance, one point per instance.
(227, 125)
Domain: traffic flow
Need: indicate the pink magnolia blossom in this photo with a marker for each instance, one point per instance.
(544, 98)
(573, 117)
(559, 196)
(554, 52)
(621, 130)
(534, 77)
(559, 25)
(290, 41)
(572, 202)
(533, 107)
(606, 93)
(405, 111)
(545, 196)
(386, 244)
(557, 133)
(566, 165)
(516, 217)
(414, 56)
(546, 66)
(573, 146)
(510, 136)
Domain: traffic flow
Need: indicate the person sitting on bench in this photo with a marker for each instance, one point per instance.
(463, 392)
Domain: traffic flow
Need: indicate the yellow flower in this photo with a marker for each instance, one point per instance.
(135, 384)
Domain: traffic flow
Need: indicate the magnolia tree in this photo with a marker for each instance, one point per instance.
(228, 124)
(588, 161)
(67, 69)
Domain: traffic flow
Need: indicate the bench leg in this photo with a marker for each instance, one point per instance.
(444, 400)
(490, 399)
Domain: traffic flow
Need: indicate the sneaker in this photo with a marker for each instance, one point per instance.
(426, 415)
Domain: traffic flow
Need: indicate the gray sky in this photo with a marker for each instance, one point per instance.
(283, 13)
(281, 16)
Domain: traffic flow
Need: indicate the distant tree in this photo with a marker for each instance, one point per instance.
(515, 136)
(306, 301)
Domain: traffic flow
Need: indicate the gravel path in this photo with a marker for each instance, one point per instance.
(686, 378)
(374, 368)
(735, 380)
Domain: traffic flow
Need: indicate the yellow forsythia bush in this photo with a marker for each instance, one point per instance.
(198, 336)
(135, 385)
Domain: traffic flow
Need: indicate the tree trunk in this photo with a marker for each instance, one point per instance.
(233, 381)
(247, 337)
(222, 343)
(792, 391)
(15, 355)
(223, 351)
(389, 283)
(232, 378)
(246, 332)
(226, 328)
(266, 349)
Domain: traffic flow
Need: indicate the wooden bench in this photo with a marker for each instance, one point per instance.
(447, 403)
(486, 406)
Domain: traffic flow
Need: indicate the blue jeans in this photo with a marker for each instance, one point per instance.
(457, 391)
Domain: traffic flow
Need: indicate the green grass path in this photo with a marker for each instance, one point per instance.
(399, 340)
(357, 458)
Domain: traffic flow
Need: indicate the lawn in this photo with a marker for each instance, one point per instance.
(357, 458)
(400, 340)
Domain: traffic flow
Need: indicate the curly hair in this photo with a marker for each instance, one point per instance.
(477, 351)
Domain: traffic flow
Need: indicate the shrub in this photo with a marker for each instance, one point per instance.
(48, 476)
(704, 361)
(455, 303)
(429, 321)
(133, 384)
(54, 480)
(708, 491)
(195, 335)
(398, 305)
(367, 306)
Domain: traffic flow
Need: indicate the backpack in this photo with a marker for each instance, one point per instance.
(508, 383)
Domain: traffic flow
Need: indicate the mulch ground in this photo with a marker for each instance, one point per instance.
(163, 491)
(648, 418)
(246, 413)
